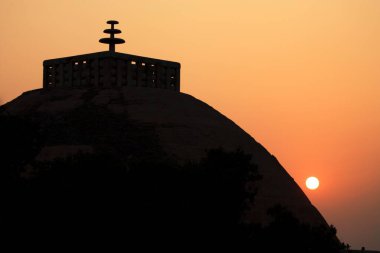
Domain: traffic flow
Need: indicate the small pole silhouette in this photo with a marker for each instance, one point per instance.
(112, 41)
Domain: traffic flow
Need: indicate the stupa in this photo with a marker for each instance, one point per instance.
(89, 102)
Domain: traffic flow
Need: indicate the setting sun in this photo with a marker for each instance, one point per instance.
(312, 183)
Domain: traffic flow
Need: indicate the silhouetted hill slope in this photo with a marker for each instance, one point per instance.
(144, 122)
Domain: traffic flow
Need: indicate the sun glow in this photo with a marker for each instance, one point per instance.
(312, 183)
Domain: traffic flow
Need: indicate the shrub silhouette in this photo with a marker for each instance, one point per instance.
(289, 233)
(148, 202)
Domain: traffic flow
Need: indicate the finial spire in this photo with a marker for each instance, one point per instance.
(112, 41)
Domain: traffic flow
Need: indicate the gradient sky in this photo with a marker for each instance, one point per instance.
(300, 76)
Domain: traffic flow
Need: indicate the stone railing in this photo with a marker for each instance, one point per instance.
(110, 69)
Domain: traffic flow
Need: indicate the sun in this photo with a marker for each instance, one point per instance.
(312, 183)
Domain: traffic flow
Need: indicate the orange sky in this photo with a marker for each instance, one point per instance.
(301, 76)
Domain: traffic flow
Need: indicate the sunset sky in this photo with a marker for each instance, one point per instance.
(302, 77)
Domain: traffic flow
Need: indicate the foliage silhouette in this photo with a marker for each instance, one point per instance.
(102, 198)
(21, 141)
(289, 233)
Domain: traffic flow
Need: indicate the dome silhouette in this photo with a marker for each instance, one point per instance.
(148, 121)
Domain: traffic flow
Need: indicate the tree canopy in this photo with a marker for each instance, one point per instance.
(100, 197)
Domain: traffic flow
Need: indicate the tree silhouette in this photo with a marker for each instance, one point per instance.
(142, 201)
(290, 234)
(98, 194)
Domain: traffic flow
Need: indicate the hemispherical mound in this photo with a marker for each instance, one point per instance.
(154, 122)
